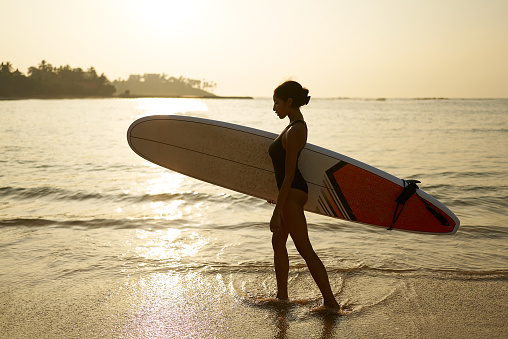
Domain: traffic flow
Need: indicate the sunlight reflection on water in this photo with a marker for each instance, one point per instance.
(167, 183)
(168, 244)
(164, 106)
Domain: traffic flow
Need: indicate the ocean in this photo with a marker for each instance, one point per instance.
(96, 242)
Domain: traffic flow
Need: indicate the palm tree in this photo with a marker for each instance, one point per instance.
(6, 67)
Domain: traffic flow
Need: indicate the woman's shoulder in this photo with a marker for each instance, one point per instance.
(297, 131)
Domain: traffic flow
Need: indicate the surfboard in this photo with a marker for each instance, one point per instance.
(236, 157)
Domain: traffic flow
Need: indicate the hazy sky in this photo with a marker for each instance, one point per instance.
(336, 48)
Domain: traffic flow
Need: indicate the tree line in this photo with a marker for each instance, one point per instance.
(46, 81)
(163, 85)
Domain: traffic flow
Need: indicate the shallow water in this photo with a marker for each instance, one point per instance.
(89, 230)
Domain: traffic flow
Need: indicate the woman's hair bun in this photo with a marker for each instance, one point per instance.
(306, 96)
(292, 89)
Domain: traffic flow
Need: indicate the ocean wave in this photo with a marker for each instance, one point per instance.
(489, 130)
(22, 193)
(492, 205)
(267, 267)
(465, 174)
(56, 193)
(495, 196)
(90, 223)
(490, 189)
(497, 232)
(245, 252)
(477, 231)
(455, 273)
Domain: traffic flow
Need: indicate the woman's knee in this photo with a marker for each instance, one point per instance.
(279, 240)
(306, 250)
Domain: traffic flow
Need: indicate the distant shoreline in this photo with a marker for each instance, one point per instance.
(129, 97)
(229, 97)
(183, 97)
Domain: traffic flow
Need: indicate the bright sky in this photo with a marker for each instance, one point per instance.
(336, 48)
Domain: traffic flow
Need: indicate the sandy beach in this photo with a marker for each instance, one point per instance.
(178, 305)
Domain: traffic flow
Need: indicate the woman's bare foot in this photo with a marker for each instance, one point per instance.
(334, 309)
(282, 297)
(332, 305)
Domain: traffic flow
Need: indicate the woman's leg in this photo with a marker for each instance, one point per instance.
(296, 224)
(281, 262)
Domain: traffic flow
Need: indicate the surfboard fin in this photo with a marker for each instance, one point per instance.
(410, 188)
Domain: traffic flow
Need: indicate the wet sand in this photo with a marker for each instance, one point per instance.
(214, 305)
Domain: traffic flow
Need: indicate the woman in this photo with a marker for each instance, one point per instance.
(288, 216)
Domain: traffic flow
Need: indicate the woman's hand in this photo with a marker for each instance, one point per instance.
(275, 222)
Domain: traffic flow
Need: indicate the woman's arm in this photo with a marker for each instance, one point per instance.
(295, 141)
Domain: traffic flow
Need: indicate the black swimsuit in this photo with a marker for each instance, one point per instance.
(278, 155)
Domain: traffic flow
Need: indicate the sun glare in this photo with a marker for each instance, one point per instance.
(164, 13)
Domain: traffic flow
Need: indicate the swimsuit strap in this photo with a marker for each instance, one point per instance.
(292, 124)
